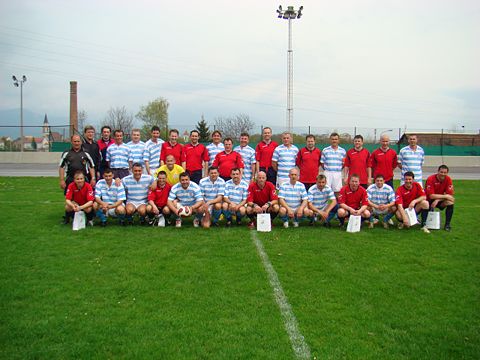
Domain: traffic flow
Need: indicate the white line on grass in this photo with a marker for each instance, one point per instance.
(299, 345)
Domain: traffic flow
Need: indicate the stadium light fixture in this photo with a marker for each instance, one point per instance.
(20, 83)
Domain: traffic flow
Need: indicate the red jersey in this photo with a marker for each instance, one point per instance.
(404, 197)
(354, 199)
(384, 163)
(308, 161)
(357, 163)
(261, 196)
(160, 195)
(80, 196)
(194, 156)
(169, 149)
(103, 145)
(264, 153)
(226, 162)
(435, 186)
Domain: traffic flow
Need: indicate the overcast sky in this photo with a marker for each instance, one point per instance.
(358, 63)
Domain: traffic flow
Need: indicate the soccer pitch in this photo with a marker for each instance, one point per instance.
(167, 293)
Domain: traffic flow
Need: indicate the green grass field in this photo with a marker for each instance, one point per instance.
(143, 292)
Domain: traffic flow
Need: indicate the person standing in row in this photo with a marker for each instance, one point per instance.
(308, 161)
(263, 154)
(332, 163)
(284, 158)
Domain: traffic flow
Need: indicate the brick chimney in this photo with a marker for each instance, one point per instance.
(73, 108)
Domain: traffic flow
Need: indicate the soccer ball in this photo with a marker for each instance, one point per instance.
(185, 211)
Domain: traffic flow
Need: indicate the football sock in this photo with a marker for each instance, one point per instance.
(69, 214)
(90, 215)
(387, 217)
(424, 215)
(331, 215)
(273, 215)
(228, 215)
(101, 215)
(216, 215)
(251, 217)
(448, 214)
(341, 220)
(371, 219)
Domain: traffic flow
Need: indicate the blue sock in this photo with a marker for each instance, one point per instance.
(228, 215)
(388, 217)
(216, 215)
(101, 215)
(331, 215)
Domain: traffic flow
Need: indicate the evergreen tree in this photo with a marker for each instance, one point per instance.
(203, 129)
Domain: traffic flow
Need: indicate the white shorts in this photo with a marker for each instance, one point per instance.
(334, 179)
(281, 181)
(380, 212)
(136, 204)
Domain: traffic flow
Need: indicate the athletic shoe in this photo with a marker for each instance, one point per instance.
(178, 223)
(103, 224)
(238, 222)
(143, 221)
(66, 220)
(215, 224)
(285, 224)
(385, 225)
(251, 225)
(295, 224)
(90, 223)
(161, 220)
(196, 223)
(327, 225)
(400, 225)
(390, 222)
(370, 226)
(447, 227)
(375, 221)
(228, 224)
(425, 230)
(122, 223)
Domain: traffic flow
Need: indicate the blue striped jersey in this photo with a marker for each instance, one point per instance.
(320, 198)
(285, 158)
(236, 193)
(213, 150)
(117, 156)
(412, 161)
(136, 152)
(210, 190)
(381, 196)
(151, 153)
(137, 191)
(248, 157)
(332, 159)
(293, 194)
(188, 196)
(109, 194)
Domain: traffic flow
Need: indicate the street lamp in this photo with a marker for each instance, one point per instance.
(15, 83)
(289, 14)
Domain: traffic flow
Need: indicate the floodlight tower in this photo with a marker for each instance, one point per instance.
(15, 83)
(289, 14)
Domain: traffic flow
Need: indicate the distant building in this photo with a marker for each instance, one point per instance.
(443, 138)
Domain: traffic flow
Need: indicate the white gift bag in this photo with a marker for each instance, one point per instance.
(354, 223)
(433, 220)
(79, 221)
(264, 223)
(412, 216)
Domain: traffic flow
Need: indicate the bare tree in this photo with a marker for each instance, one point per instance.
(119, 118)
(82, 116)
(233, 126)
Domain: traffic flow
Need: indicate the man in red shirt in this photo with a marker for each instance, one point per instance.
(262, 197)
(157, 208)
(79, 197)
(263, 154)
(227, 160)
(352, 200)
(308, 161)
(411, 195)
(103, 143)
(384, 160)
(439, 191)
(195, 157)
(171, 147)
(357, 162)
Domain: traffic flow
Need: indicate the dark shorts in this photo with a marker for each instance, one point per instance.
(308, 185)
(439, 205)
(120, 173)
(365, 186)
(390, 182)
(196, 176)
(226, 178)
(271, 174)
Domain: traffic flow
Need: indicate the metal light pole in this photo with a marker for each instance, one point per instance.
(15, 83)
(289, 14)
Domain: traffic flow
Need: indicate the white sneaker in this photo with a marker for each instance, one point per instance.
(178, 223)
(400, 225)
(90, 223)
(425, 230)
(295, 224)
(375, 221)
(390, 222)
(385, 225)
(370, 226)
(161, 221)
(196, 222)
(285, 224)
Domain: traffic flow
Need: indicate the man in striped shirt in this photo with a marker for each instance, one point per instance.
(248, 157)
(195, 157)
(384, 160)
(411, 158)
(381, 199)
(213, 189)
(332, 163)
(357, 161)
(151, 153)
(137, 187)
(215, 147)
(109, 199)
(235, 198)
(185, 193)
(293, 199)
(264, 152)
(172, 147)
(118, 155)
(322, 201)
(284, 158)
(136, 148)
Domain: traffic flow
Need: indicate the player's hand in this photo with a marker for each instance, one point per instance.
(118, 182)
(63, 184)
(92, 182)
(369, 181)
(434, 204)
(411, 205)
